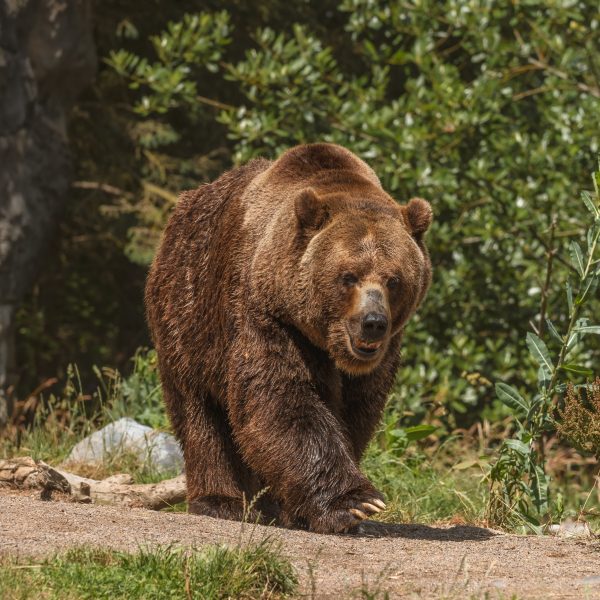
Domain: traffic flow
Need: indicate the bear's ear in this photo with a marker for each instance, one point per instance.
(311, 211)
(418, 216)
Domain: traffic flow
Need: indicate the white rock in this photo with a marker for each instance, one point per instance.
(571, 529)
(158, 449)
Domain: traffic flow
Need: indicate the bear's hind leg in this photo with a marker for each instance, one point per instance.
(219, 484)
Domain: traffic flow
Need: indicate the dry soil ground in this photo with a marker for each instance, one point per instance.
(410, 561)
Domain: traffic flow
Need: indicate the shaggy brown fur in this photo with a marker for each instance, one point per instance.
(258, 302)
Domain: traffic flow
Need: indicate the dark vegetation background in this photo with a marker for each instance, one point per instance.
(489, 110)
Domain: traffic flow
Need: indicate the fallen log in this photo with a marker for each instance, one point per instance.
(120, 489)
(26, 473)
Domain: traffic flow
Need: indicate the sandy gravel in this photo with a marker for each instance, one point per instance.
(410, 561)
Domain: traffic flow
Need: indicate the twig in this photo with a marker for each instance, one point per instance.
(533, 92)
(596, 481)
(550, 253)
(215, 103)
(594, 91)
(103, 187)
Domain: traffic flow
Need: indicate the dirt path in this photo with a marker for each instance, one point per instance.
(410, 561)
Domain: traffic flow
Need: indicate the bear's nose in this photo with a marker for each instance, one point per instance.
(374, 326)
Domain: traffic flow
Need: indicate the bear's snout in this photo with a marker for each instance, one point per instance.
(374, 326)
(370, 325)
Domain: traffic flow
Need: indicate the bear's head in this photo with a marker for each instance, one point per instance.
(363, 271)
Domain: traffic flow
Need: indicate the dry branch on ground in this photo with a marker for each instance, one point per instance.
(26, 473)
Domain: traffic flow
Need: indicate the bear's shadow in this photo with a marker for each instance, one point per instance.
(456, 533)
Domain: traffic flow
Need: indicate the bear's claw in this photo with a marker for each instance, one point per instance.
(371, 508)
(358, 513)
(348, 511)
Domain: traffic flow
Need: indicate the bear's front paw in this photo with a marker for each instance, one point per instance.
(347, 511)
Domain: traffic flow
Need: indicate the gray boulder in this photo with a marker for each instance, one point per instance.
(157, 449)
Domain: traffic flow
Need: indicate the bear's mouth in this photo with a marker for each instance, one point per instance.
(364, 349)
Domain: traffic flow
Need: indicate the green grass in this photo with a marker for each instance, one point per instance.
(161, 573)
(48, 440)
(448, 483)
(60, 421)
(427, 489)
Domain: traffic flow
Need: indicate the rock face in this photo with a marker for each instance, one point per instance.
(47, 57)
(157, 449)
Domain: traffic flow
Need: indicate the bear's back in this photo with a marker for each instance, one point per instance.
(194, 273)
(302, 163)
(328, 169)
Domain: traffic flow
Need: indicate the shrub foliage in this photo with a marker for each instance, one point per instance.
(488, 111)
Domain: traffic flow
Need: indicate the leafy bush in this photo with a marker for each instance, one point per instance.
(489, 111)
(139, 395)
(520, 486)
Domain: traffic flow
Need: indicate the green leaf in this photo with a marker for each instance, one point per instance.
(587, 200)
(595, 329)
(398, 433)
(400, 58)
(419, 432)
(509, 396)
(539, 485)
(539, 351)
(518, 446)
(577, 257)
(543, 377)
(579, 369)
(531, 523)
(570, 297)
(554, 331)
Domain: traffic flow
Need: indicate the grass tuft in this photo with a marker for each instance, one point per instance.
(217, 572)
(427, 489)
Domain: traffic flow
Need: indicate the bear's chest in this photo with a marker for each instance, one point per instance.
(325, 377)
(329, 385)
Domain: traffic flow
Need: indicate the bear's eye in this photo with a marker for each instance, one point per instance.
(393, 283)
(349, 279)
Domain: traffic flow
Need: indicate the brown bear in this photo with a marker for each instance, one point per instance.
(277, 302)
